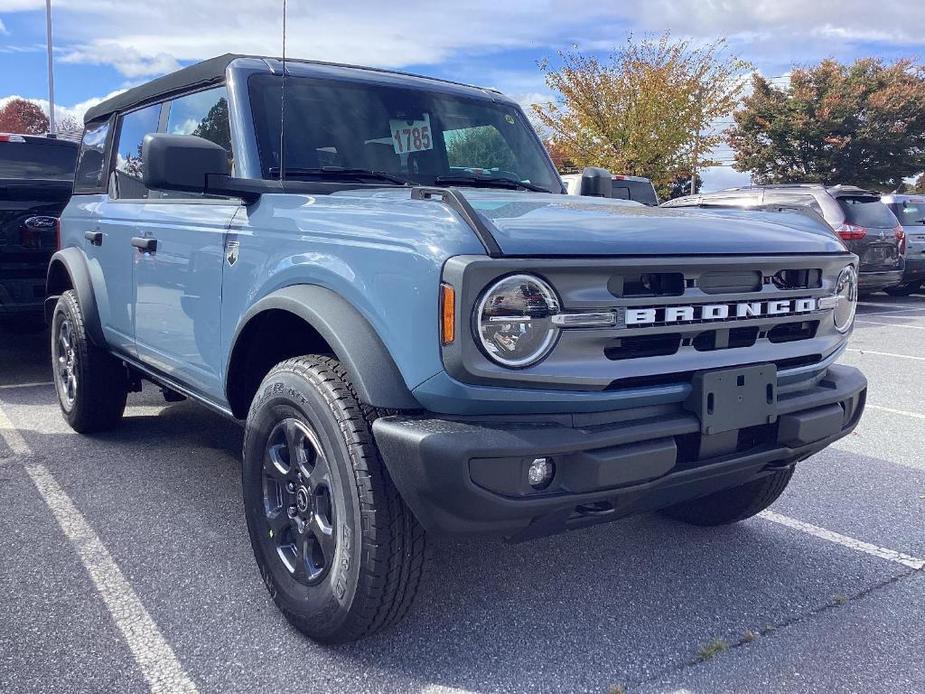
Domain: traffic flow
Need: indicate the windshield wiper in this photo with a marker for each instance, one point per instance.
(478, 181)
(339, 172)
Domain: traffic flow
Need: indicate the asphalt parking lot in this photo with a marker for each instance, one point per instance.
(127, 567)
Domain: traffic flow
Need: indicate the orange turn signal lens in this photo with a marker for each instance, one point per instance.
(447, 313)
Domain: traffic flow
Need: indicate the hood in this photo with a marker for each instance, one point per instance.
(540, 224)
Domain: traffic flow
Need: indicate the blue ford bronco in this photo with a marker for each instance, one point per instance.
(381, 275)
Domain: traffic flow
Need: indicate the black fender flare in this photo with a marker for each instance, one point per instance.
(372, 371)
(73, 262)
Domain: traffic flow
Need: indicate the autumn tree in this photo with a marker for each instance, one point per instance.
(862, 124)
(646, 110)
(21, 116)
(560, 159)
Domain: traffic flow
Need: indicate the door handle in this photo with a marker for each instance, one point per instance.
(94, 237)
(145, 245)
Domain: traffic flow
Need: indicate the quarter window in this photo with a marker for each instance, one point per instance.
(129, 162)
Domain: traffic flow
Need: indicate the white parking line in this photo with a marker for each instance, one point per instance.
(36, 384)
(156, 659)
(893, 307)
(904, 413)
(885, 354)
(892, 325)
(845, 541)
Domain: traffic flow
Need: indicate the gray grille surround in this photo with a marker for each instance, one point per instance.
(578, 360)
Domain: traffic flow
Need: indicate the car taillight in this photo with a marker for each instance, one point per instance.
(900, 235)
(850, 232)
(5, 137)
(58, 233)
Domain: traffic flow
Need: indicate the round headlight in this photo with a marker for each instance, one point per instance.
(514, 320)
(846, 296)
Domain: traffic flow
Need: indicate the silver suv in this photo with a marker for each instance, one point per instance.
(867, 226)
(910, 211)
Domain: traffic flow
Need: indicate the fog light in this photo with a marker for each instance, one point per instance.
(540, 473)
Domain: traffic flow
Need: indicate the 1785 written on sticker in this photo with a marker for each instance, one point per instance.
(411, 135)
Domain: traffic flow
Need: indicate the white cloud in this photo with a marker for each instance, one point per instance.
(3, 29)
(62, 113)
(889, 21)
(142, 39)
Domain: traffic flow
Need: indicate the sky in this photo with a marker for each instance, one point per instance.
(103, 46)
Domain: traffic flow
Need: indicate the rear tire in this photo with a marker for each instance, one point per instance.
(734, 504)
(340, 553)
(904, 289)
(92, 385)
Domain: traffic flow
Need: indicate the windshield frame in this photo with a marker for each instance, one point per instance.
(263, 133)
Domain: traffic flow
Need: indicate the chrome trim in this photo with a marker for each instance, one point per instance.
(603, 319)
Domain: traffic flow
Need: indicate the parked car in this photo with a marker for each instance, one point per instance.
(36, 174)
(910, 211)
(622, 187)
(416, 349)
(865, 224)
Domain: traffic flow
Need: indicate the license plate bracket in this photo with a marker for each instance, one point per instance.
(735, 398)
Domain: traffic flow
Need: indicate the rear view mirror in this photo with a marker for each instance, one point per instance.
(597, 182)
(182, 162)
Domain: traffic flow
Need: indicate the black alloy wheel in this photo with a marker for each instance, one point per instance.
(298, 502)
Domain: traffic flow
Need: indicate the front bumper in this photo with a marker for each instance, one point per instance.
(467, 475)
(875, 281)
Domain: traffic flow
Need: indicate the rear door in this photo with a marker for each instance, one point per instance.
(879, 247)
(35, 184)
(178, 283)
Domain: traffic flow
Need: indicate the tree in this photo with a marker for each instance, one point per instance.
(862, 124)
(21, 116)
(560, 159)
(646, 110)
(214, 126)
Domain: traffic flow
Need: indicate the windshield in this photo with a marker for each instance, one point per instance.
(909, 213)
(37, 161)
(414, 135)
(867, 212)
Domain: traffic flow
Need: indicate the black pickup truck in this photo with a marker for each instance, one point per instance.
(36, 177)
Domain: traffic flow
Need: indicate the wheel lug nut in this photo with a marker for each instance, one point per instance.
(291, 511)
(290, 486)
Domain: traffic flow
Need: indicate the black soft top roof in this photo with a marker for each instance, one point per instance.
(212, 71)
(199, 75)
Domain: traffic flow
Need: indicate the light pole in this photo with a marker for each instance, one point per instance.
(51, 70)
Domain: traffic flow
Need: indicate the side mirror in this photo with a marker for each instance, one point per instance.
(596, 182)
(181, 162)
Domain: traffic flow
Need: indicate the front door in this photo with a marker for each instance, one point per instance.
(177, 243)
(178, 289)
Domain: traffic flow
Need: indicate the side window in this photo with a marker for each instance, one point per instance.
(480, 147)
(204, 114)
(774, 197)
(91, 163)
(129, 164)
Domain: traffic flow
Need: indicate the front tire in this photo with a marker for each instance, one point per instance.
(92, 385)
(734, 504)
(904, 289)
(340, 553)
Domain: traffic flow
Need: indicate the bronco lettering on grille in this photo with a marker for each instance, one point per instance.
(714, 312)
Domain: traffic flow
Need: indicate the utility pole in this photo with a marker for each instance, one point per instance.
(694, 162)
(51, 70)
